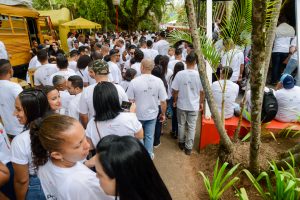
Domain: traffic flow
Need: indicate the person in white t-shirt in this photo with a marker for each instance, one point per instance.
(148, 91)
(8, 94)
(60, 83)
(62, 65)
(128, 76)
(73, 60)
(138, 57)
(83, 72)
(233, 58)
(283, 35)
(30, 105)
(162, 46)
(101, 72)
(70, 40)
(59, 146)
(109, 117)
(154, 52)
(188, 98)
(43, 73)
(6, 169)
(231, 92)
(33, 64)
(288, 99)
(54, 99)
(125, 152)
(113, 66)
(178, 58)
(75, 87)
(3, 52)
(147, 52)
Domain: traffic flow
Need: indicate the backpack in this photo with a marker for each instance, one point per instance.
(269, 106)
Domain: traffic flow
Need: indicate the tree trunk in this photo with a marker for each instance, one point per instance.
(257, 78)
(225, 141)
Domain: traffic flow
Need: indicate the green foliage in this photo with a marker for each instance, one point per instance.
(220, 182)
(242, 194)
(208, 50)
(284, 184)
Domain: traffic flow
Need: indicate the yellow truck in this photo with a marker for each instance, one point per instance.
(19, 25)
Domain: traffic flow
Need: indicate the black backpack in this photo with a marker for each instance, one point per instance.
(269, 106)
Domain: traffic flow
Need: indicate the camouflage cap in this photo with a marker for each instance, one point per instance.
(100, 67)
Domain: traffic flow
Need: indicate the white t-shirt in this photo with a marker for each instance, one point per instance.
(73, 65)
(21, 151)
(162, 46)
(147, 53)
(115, 72)
(288, 104)
(8, 95)
(75, 183)
(137, 67)
(43, 73)
(167, 77)
(233, 59)
(154, 53)
(230, 95)
(65, 74)
(33, 64)
(5, 154)
(66, 98)
(172, 64)
(70, 42)
(73, 107)
(187, 83)
(124, 124)
(283, 35)
(3, 52)
(146, 90)
(125, 85)
(86, 105)
(84, 74)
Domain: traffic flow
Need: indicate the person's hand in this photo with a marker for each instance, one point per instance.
(132, 108)
(91, 162)
(201, 107)
(162, 117)
(279, 86)
(174, 104)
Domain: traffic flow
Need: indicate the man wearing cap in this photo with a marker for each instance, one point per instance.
(288, 99)
(100, 71)
(148, 91)
(113, 66)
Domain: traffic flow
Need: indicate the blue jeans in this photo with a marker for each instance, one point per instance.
(149, 128)
(8, 188)
(277, 65)
(157, 131)
(169, 107)
(35, 190)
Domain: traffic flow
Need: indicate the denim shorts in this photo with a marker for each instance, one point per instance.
(35, 190)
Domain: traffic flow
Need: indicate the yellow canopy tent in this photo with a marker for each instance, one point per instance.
(79, 23)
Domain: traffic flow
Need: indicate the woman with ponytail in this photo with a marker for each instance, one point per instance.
(58, 144)
(30, 105)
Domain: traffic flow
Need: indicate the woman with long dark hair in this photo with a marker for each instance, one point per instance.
(126, 170)
(178, 67)
(58, 144)
(30, 105)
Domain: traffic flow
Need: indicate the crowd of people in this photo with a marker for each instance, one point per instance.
(97, 111)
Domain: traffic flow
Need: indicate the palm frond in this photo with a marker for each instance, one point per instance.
(207, 47)
(271, 11)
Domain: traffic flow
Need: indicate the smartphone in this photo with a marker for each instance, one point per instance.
(126, 105)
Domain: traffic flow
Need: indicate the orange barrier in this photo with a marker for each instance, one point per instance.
(209, 133)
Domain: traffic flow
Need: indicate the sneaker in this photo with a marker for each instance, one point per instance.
(181, 145)
(187, 151)
(157, 145)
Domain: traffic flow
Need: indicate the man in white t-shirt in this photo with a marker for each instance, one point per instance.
(288, 99)
(113, 66)
(231, 92)
(73, 60)
(186, 93)
(154, 52)
(162, 46)
(75, 87)
(233, 58)
(147, 91)
(70, 40)
(8, 95)
(43, 73)
(100, 71)
(178, 58)
(147, 52)
(62, 65)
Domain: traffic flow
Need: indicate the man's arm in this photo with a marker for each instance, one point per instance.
(175, 97)
(4, 174)
(84, 118)
(163, 105)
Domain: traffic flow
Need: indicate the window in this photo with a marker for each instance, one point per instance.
(18, 25)
(4, 24)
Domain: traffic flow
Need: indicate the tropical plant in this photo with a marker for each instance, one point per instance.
(284, 185)
(220, 182)
(242, 194)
